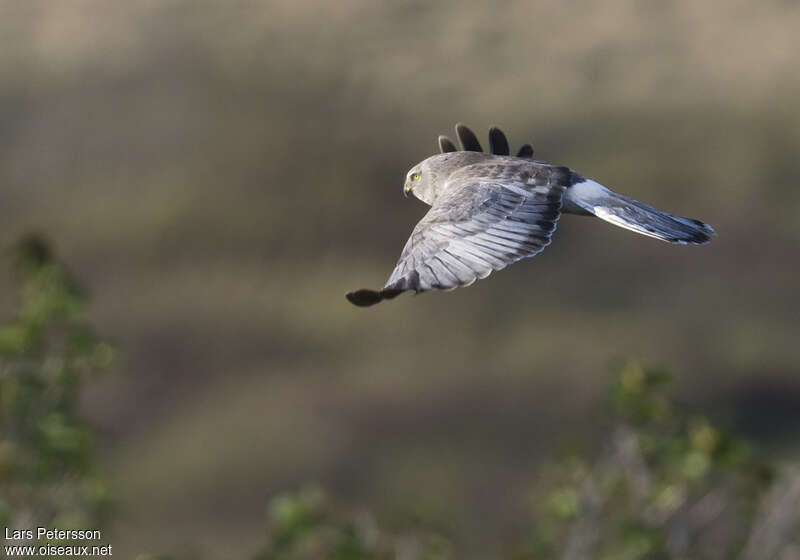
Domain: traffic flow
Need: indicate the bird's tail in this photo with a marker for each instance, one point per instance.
(589, 196)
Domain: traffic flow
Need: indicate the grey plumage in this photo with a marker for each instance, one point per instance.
(489, 210)
(590, 197)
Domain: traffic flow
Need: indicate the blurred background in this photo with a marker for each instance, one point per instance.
(220, 174)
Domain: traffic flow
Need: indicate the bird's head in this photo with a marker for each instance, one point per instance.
(415, 183)
(426, 179)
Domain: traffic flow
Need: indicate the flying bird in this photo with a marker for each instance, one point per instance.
(489, 210)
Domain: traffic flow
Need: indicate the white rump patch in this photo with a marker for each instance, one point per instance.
(586, 192)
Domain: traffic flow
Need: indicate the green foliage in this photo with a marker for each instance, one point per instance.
(667, 485)
(307, 526)
(47, 351)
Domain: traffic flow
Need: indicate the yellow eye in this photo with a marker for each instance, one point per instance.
(415, 176)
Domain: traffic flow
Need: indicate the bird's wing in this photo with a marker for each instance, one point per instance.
(446, 145)
(498, 144)
(525, 151)
(469, 142)
(477, 226)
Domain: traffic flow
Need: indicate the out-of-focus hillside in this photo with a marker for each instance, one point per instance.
(221, 174)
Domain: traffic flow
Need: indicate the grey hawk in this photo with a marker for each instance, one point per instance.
(489, 210)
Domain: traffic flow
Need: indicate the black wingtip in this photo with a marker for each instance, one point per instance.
(498, 144)
(703, 235)
(366, 298)
(525, 151)
(446, 145)
(469, 142)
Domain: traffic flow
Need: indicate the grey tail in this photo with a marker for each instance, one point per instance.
(594, 198)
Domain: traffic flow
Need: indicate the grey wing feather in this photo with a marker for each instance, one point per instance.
(478, 227)
(488, 217)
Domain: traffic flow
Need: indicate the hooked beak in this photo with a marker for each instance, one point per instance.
(406, 188)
